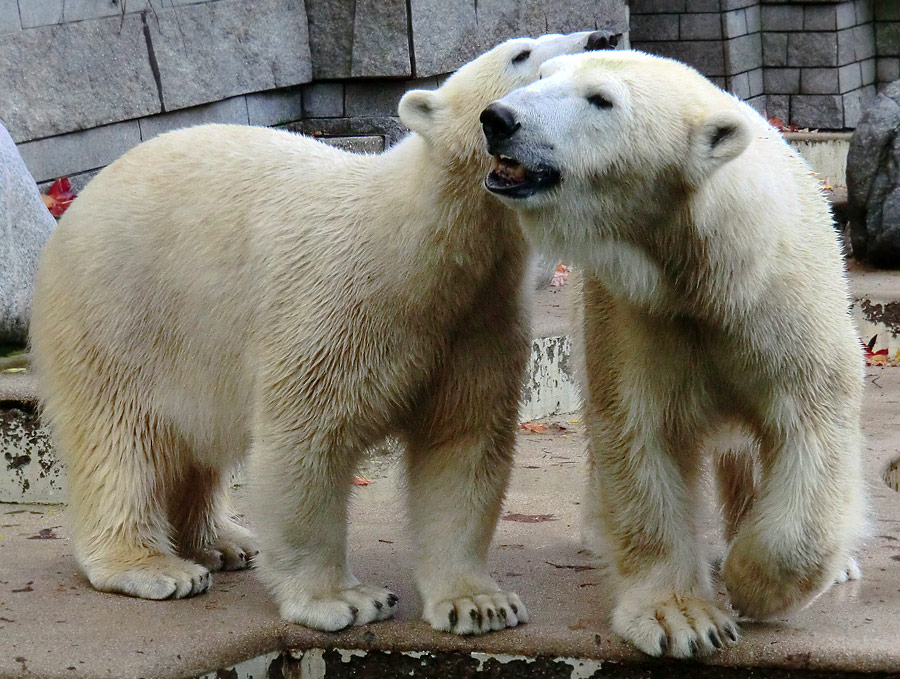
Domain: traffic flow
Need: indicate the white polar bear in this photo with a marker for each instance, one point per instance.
(715, 300)
(226, 288)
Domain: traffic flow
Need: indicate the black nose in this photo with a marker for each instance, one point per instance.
(598, 40)
(498, 122)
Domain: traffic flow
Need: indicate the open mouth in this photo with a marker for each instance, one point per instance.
(509, 178)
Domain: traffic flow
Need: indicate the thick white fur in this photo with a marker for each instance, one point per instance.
(223, 289)
(715, 298)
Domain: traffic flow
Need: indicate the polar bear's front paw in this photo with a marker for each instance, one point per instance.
(477, 614)
(356, 605)
(682, 627)
(154, 577)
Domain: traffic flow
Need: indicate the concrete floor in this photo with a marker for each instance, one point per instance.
(52, 625)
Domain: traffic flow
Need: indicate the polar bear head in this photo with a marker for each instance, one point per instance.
(608, 143)
(447, 118)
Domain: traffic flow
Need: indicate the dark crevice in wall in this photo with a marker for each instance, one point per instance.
(409, 37)
(154, 65)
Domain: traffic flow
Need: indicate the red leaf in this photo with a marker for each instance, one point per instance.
(360, 481)
(533, 427)
(529, 518)
(59, 196)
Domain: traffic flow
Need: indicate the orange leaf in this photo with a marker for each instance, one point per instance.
(360, 481)
(533, 427)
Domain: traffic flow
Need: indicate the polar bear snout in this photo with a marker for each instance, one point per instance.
(499, 123)
(598, 40)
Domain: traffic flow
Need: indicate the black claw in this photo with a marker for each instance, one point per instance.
(479, 618)
(392, 600)
(663, 643)
(503, 614)
(693, 647)
(490, 614)
(731, 632)
(473, 614)
(353, 611)
(514, 609)
(714, 638)
(378, 604)
(453, 617)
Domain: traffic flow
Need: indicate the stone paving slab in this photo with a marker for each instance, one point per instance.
(52, 625)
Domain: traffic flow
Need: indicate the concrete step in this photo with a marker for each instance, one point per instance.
(54, 626)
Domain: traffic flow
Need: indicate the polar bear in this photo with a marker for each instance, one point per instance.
(225, 288)
(715, 304)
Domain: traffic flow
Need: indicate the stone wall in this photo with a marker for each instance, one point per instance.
(85, 80)
(811, 63)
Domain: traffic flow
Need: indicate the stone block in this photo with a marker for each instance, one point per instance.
(380, 39)
(331, 24)
(782, 18)
(657, 6)
(864, 42)
(275, 107)
(704, 55)
(744, 53)
(77, 181)
(43, 13)
(845, 15)
(75, 76)
(444, 35)
(817, 111)
(735, 23)
(25, 225)
(700, 26)
(819, 81)
(850, 77)
(703, 6)
(232, 110)
(9, 17)
(388, 127)
(778, 106)
(812, 49)
(887, 39)
(367, 144)
(864, 11)
(79, 151)
(373, 98)
(755, 78)
(781, 80)
(754, 19)
(79, 10)
(651, 27)
(739, 85)
(819, 18)
(759, 104)
(888, 69)
(774, 47)
(887, 10)
(738, 4)
(212, 51)
(867, 71)
(323, 100)
(855, 103)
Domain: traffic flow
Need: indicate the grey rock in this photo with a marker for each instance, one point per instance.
(368, 144)
(232, 110)
(331, 24)
(774, 46)
(821, 80)
(388, 127)
(373, 98)
(212, 51)
(25, 225)
(43, 13)
(782, 80)
(709, 26)
(812, 49)
(873, 181)
(704, 55)
(445, 35)
(9, 16)
(275, 107)
(743, 53)
(646, 27)
(75, 76)
(380, 39)
(323, 100)
(818, 111)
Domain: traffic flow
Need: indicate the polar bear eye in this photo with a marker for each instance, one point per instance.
(600, 101)
(521, 56)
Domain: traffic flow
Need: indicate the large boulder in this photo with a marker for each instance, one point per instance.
(25, 224)
(873, 181)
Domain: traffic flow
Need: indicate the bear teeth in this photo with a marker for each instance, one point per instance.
(508, 169)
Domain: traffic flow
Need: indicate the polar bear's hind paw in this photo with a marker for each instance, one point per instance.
(156, 577)
(477, 614)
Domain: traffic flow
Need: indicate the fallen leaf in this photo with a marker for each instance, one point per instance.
(781, 126)
(560, 276)
(533, 427)
(59, 196)
(360, 481)
(529, 518)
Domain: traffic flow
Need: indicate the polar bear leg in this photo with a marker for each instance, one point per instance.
(204, 523)
(121, 462)
(459, 457)
(799, 535)
(303, 479)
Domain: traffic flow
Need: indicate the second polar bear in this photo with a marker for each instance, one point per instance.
(226, 288)
(715, 299)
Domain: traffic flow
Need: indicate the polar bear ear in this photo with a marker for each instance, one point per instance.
(718, 138)
(417, 110)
